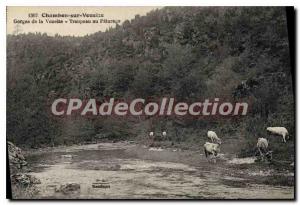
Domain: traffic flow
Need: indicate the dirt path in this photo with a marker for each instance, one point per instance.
(126, 170)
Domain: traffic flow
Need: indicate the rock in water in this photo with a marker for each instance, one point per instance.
(16, 162)
(68, 188)
(24, 180)
(16, 158)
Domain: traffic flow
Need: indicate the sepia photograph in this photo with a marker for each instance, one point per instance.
(160, 102)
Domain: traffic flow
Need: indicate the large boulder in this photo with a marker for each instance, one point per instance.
(16, 162)
(16, 158)
(24, 180)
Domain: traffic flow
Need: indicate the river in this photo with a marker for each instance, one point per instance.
(131, 171)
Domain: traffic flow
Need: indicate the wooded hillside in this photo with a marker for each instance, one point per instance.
(188, 53)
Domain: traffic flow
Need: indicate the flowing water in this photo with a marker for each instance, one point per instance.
(130, 171)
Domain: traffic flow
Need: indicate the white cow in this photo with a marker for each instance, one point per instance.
(262, 146)
(213, 137)
(282, 131)
(151, 134)
(211, 149)
(164, 133)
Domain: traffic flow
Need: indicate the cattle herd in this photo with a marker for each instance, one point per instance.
(211, 149)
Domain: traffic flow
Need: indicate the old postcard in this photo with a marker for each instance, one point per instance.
(150, 103)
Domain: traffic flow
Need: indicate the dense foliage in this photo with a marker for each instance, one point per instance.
(183, 52)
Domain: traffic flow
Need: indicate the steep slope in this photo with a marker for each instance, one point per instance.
(185, 52)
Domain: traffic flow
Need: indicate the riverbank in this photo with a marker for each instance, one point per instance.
(136, 171)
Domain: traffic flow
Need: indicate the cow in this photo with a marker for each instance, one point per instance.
(213, 137)
(281, 131)
(211, 149)
(263, 148)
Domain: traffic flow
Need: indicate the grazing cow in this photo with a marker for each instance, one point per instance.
(281, 131)
(164, 134)
(211, 149)
(213, 137)
(262, 146)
